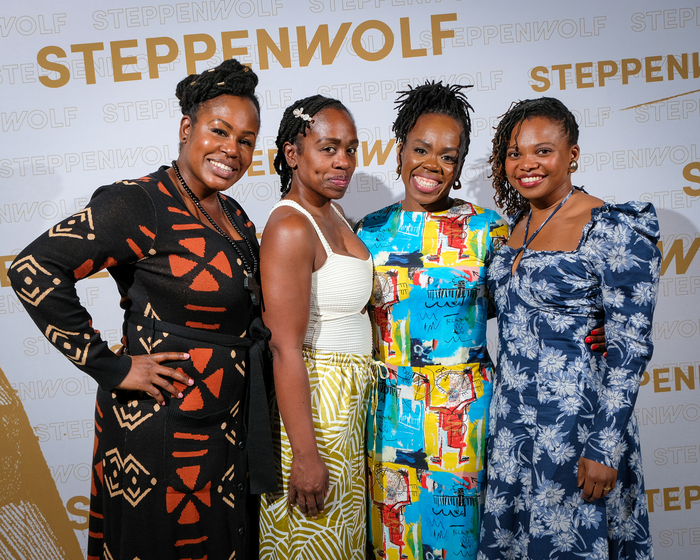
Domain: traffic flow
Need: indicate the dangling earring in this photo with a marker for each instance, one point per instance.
(573, 166)
(457, 185)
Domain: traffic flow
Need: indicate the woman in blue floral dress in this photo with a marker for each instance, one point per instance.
(564, 464)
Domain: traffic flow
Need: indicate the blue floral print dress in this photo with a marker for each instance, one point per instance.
(555, 401)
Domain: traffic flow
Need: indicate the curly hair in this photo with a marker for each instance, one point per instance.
(548, 107)
(228, 78)
(433, 98)
(291, 126)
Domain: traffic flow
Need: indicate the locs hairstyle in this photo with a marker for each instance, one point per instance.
(549, 107)
(228, 78)
(291, 127)
(434, 98)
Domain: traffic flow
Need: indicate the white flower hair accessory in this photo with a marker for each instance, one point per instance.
(299, 114)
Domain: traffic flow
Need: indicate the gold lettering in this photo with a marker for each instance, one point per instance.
(321, 38)
(604, 73)
(581, 74)
(437, 32)
(282, 53)
(119, 61)
(63, 71)
(88, 50)
(688, 176)
(658, 380)
(406, 50)
(227, 38)
(154, 59)
(538, 73)
(380, 26)
(651, 68)
(256, 162)
(191, 56)
(630, 67)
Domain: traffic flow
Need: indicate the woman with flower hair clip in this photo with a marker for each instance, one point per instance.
(316, 279)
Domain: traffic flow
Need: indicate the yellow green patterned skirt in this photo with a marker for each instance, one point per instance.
(339, 391)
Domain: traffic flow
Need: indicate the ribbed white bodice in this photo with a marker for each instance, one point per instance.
(340, 290)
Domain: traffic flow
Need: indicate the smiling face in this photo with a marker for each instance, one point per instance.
(325, 159)
(218, 146)
(430, 163)
(538, 158)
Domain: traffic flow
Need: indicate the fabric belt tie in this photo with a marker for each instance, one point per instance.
(261, 461)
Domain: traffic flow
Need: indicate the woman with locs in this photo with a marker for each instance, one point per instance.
(317, 279)
(180, 418)
(428, 418)
(564, 470)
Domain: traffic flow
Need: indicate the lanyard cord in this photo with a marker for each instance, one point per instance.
(527, 241)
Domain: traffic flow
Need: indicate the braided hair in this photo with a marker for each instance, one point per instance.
(291, 126)
(548, 107)
(228, 78)
(433, 98)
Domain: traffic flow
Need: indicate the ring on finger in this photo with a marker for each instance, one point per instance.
(607, 488)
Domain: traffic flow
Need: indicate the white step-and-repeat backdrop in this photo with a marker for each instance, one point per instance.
(87, 92)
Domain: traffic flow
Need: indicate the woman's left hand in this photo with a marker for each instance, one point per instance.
(596, 479)
(596, 339)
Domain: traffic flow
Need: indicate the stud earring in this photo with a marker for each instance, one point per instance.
(573, 166)
(457, 185)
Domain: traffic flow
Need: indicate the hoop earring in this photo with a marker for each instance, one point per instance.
(573, 166)
(457, 185)
(398, 170)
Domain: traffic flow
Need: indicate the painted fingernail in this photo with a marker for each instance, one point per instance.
(190, 381)
(179, 395)
(186, 356)
(594, 332)
(588, 339)
(594, 346)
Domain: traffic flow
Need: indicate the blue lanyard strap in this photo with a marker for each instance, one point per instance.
(527, 225)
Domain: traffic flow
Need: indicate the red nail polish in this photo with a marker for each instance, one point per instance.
(588, 339)
(594, 332)
(594, 346)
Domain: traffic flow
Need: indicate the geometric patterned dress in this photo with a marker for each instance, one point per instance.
(428, 417)
(555, 401)
(172, 481)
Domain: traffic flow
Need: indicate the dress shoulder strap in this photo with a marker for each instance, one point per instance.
(300, 208)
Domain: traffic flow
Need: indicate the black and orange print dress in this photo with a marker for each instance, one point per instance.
(172, 481)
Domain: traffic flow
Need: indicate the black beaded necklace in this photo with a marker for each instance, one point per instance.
(249, 282)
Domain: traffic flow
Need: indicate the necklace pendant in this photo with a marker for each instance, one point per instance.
(251, 284)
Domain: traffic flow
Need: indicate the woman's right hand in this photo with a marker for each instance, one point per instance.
(308, 484)
(148, 375)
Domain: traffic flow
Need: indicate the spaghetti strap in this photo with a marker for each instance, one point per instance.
(300, 208)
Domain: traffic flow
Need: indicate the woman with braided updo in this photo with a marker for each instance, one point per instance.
(181, 411)
(317, 279)
(428, 415)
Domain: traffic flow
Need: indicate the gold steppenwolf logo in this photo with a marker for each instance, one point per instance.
(33, 521)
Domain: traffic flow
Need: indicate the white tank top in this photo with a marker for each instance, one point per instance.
(340, 290)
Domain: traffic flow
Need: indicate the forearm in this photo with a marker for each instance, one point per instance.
(294, 401)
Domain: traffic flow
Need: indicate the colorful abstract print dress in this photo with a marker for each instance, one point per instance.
(167, 482)
(555, 400)
(428, 416)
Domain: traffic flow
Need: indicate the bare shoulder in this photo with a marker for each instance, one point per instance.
(585, 203)
(289, 231)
